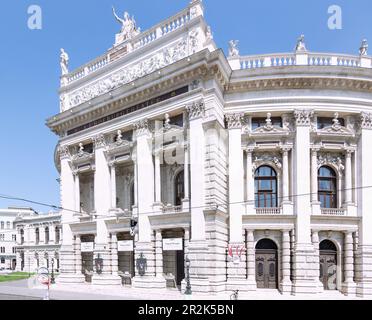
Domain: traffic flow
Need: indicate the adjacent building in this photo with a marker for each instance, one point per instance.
(38, 240)
(8, 235)
(256, 168)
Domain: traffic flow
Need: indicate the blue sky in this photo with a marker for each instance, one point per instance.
(29, 62)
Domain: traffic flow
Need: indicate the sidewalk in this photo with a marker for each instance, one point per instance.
(32, 288)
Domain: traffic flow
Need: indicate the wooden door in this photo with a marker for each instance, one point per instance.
(267, 269)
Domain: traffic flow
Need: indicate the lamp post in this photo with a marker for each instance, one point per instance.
(52, 280)
(188, 285)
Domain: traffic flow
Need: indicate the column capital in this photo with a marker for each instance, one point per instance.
(286, 149)
(142, 127)
(303, 117)
(365, 120)
(196, 110)
(99, 141)
(249, 149)
(349, 152)
(234, 120)
(63, 152)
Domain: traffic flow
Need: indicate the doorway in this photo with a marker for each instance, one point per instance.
(267, 264)
(328, 264)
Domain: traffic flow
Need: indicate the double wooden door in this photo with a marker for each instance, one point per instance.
(267, 269)
(328, 269)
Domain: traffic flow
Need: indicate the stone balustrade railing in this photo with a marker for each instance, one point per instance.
(268, 211)
(292, 59)
(333, 212)
(170, 25)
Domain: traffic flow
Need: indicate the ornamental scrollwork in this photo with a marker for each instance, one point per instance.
(335, 160)
(303, 117)
(63, 151)
(141, 126)
(196, 110)
(267, 158)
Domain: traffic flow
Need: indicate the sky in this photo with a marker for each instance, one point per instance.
(29, 62)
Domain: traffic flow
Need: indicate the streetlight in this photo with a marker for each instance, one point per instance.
(188, 285)
(52, 280)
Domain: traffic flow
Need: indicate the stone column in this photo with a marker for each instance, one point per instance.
(159, 254)
(348, 178)
(286, 284)
(315, 204)
(114, 255)
(113, 185)
(78, 259)
(236, 178)
(304, 277)
(77, 192)
(41, 234)
(286, 203)
(198, 247)
(157, 181)
(251, 261)
(19, 261)
(102, 204)
(349, 286)
(186, 200)
(315, 241)
(146, 190)
(250, 183)
(364, 168)
(52, 234)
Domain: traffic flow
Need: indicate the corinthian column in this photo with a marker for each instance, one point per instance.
(286, 203)
(314, 182)
(250, 183)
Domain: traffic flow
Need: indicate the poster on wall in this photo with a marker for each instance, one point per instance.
(125, 246)
(87, 246)
(175, 244)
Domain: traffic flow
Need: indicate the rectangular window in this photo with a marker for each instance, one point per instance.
(261, 122)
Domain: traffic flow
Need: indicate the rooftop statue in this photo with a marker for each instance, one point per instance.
(64, 59)
(363, 51)
(233, 48)
(128, 25)
(300, 46)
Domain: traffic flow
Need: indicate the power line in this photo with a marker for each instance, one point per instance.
(14, 198)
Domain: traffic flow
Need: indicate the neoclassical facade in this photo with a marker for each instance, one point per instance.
(38, 241)
(256, 168)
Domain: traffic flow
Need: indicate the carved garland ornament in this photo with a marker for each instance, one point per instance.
(263, 158)
(366, 120)
(130, 73)
(141, 126)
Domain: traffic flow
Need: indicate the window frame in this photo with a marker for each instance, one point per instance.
(269, 195)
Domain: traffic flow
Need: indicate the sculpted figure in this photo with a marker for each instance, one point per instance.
(128, 24)
(64, 59)
(233, 48)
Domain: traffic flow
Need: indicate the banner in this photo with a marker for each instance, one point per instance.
(125, 246)
(175, 244)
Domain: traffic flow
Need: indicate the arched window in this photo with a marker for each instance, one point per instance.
(266, 187)
(179, 188)
(327, 187)
(37, 235)
(22, 236)
(57, 235)
(46, 235)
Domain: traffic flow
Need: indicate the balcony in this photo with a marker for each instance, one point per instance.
(172, 209)
(269, 211)
(334, 211)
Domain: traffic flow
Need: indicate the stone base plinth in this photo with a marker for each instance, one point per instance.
(243, 285)
(106, 280)
(364, 271)
(349, 288)
(286, 287)
(70, 278)
(149, 282)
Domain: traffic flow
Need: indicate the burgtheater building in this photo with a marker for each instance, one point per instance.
(255, 168)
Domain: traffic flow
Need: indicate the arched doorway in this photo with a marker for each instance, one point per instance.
(267, 264)
(328, 265)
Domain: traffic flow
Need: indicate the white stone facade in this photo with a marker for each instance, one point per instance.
(38, 241)
(277, 158)
(8, 235)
